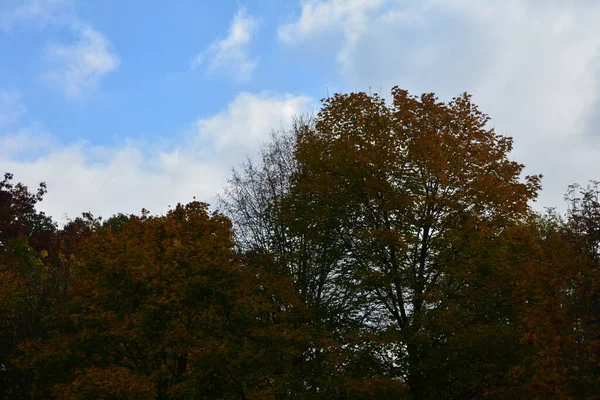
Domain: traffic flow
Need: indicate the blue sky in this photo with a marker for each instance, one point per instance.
(124, 105)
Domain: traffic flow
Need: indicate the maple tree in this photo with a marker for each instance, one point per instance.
(408, 197)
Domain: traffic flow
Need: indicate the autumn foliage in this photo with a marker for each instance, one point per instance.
(379, 250)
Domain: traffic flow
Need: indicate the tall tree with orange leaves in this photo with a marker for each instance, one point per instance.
(412, 200)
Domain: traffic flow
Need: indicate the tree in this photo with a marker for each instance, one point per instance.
(559, 302)
(27, 244)
(163, 307)
(253, 201)
(18, 214)
(410, 202)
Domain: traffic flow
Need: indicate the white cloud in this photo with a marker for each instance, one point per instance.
(319, 17)
(248, 121)
(82, 64)
(11, 107)
(76, 67)
(106, 180)
(123, 180)
(230, 54)
(533, 66)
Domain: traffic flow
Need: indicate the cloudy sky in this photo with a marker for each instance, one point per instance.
(119, 105)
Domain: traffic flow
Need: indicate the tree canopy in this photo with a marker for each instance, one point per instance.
(378, 250)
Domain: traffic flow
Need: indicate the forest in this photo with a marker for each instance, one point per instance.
(379, 249)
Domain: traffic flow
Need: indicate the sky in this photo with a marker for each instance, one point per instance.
(120, 106)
